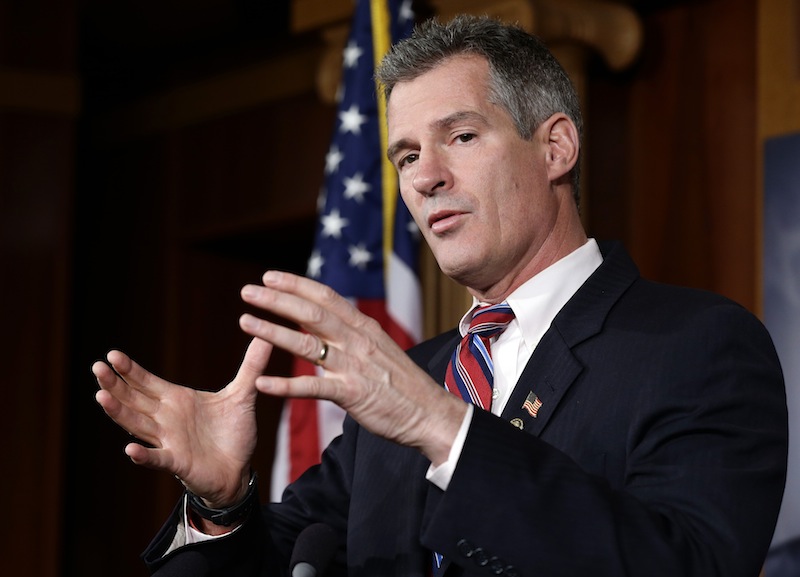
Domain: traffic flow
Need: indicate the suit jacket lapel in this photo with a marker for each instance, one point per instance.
(437, 365)
(553, 367)
(547, 376)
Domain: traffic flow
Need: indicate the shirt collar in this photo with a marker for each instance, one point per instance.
(537, 301)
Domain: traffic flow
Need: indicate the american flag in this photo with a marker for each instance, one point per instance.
(532, 404)
(355, 252)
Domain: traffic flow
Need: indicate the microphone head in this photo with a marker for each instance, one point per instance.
(313, 550)
(303, 569)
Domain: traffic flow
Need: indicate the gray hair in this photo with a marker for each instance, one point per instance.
(525, 78)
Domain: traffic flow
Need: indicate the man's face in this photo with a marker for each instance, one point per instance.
(478, 191)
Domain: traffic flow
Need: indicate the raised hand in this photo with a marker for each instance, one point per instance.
(205, 439)
(366, 372)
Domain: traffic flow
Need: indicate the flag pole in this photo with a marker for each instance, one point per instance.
(381, 41)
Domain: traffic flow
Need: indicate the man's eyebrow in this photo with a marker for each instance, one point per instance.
(442, 124)
(457, 117)
(396, 147)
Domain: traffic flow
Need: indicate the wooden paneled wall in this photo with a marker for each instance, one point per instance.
(39, 98)
(672, 149)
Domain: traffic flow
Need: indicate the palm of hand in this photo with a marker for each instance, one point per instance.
(205, 439)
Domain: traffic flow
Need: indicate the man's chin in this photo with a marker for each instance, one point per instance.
(464, 271)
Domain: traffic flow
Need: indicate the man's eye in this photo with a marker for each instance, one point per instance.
(465, 137)
(407, 159)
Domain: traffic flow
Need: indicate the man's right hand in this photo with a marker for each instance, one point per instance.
(205, 439)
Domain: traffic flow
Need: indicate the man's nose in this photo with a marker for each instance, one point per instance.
(432, 174)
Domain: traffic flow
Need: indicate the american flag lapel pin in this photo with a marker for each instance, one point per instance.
(532, 404)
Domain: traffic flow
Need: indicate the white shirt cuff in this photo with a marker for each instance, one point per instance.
(442, 474)
(186, 534)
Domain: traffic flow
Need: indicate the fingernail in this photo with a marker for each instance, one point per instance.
(264, 384)
(271, 277)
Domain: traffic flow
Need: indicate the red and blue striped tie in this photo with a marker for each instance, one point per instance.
(470, 374)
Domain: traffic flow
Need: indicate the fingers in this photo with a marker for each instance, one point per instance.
(318, 309)
(129, 373)
(312, 291)
(312, 305)
(133, 406)
(127, 401)
(138, 424)
(301, 344)
(336, 335)
(298, 386)
(204, 438)
(127, 382)
(150, 458)
(366, 372)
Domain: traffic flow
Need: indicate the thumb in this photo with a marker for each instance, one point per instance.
(255, 361)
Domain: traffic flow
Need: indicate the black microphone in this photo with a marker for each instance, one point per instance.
(313, 550)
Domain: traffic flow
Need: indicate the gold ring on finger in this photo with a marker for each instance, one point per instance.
(323, 354)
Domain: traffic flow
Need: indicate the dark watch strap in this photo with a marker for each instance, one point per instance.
(229, 515)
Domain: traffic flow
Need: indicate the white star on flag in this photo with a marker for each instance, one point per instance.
(333, 223)
(333, 159)
(352, 52)
(352, 119)
(413, 229)
(321, 198)
(406, 13)
(359, 256)
(355, 187)
(315, 263)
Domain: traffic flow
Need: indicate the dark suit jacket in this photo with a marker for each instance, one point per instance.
(659, 450)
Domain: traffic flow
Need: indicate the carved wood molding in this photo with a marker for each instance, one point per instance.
(610, 29)
(517, 11)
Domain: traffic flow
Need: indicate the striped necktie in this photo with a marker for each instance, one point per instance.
(470, 374)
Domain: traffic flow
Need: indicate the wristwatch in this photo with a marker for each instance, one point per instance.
(229, 515)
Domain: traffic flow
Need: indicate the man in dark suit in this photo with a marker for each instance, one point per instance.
(633, 428)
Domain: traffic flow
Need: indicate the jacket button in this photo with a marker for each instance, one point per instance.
(465, 548)
(511, 571)
(496, 565)
(480, 557)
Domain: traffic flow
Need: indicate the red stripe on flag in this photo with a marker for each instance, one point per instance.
(304, 449)
(376, 308)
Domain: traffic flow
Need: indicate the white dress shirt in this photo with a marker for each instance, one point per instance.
(535, 304)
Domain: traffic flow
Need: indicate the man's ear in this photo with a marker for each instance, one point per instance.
(563, 145)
